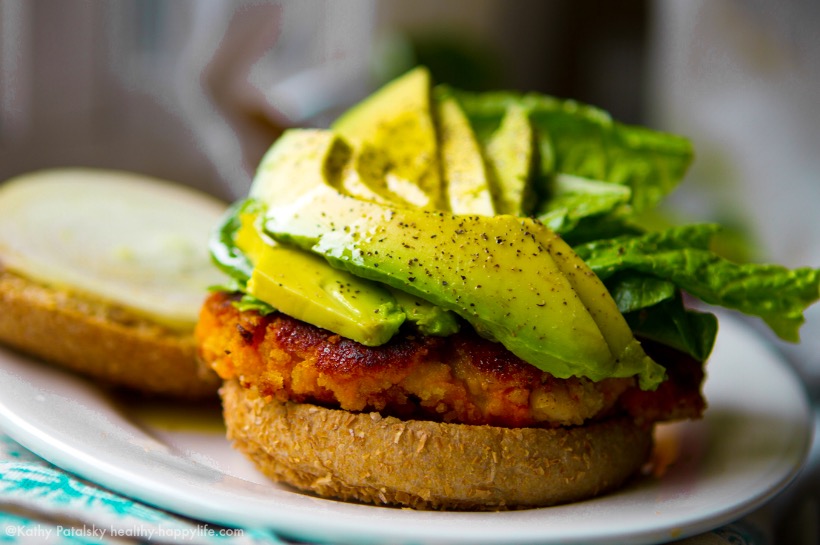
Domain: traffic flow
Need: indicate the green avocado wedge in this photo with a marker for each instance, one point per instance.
(301, 285)
(511, 156)
(304, 285)
(298, 162)
(367, 174)
(492, 271)
(398, 118)
(464, 172)
(595, 296)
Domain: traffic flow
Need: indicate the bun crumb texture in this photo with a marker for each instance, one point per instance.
(100, 340)
(428, 465)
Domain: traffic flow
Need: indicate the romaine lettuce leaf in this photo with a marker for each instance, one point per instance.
(634, 291)
(654, 309)
(575, 198)
(681, 255)
(224, 252)
(672, 324)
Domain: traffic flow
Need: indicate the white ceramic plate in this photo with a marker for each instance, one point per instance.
(751, 444)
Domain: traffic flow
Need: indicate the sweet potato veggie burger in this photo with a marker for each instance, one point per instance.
(445, 301)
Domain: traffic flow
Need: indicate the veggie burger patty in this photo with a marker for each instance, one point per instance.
(462, 378)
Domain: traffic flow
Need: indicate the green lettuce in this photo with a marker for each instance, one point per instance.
(575, 199)
(654, 309)
(224, 252)
(682, 257)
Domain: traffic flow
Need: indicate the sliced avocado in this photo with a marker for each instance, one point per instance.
(463, 171)
(398, 119)
(599, 303)
(304, 286)
(248, 237)
(317, 293)
(511, 154)
(299, 160)
(298, 283)
(490, 270)
(367, 177)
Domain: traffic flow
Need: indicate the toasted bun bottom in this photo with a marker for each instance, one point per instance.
(101, 341)
(429, 465)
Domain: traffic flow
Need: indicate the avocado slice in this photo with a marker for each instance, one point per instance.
(305, 286)
(597, 300)
(366, 177)
(300, 284)
(301, 159)
(492, 271)
(464, 173)
(398, 118)
(511, 154)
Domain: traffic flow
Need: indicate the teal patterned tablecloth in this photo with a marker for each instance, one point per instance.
(40, 503)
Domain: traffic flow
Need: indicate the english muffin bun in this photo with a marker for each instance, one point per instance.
(418, 464)
(102, 272)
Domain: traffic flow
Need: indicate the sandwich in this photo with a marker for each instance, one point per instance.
(448, 300)
(103, 273)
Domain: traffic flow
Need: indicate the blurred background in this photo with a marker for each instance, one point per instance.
(196, 91)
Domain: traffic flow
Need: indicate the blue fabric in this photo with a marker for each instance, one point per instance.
(40, 503)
